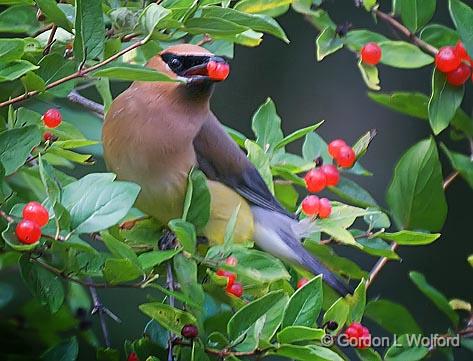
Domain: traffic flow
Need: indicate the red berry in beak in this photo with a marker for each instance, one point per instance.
(217, 71)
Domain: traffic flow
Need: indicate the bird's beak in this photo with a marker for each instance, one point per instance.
(216, 69)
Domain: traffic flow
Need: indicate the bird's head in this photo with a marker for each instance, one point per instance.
(194, 64)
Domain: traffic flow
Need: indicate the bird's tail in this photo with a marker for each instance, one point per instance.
(280, 235)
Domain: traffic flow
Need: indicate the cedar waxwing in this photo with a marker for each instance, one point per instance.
(155, 132)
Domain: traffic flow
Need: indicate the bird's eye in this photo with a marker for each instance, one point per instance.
(175, 64)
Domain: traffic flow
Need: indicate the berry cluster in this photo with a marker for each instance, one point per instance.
(358, 335)
(35, 216)
(371, 53)
(455, 62)
(234, 288)
(326, 175)
(52, 118)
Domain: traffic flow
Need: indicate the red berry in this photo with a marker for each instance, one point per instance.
(28, 232)
(371, 53)
(315, 180)
(346, 157)
(310, 205)
(37, 213)
(217, 71)
(231, 261)
(325, 208)
(229, 275)
(359, 335)
(459, 76)
(235, 289)
(133, 356)
(302, 282)
(461, 51)
(48, 136)
(189, 331)
(446, 59)
(52, 118)
(335, 146)
(332, 175)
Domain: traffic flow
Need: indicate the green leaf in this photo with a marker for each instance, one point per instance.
(461, 163)
(269, 309)
(416, 13)
(45, 286)
(185, 233)
(132, 73)
(338, 312)
(11, 49)
(304, 305)
(415, 195)
(377, 220)
(292, 334)
(439, 35)
(66, 350)
(107, 354)
(31, 81)
(401, 54)
(362, 144)
(272, 8)
(119, 249)
(320, 19)
(462, 16)
(54, 14)
(327, 42)
(393, 317)
(415, 105)
(352, 193)
(230, 229)
(259, 266)
(53, 67)
(215, 27)
(357, 303)
(15, 69)
(266, 125)
(118, 271)
(403, 350)
(261, 161)
(186, 273)
(151, 18)
(369, 73)
(197, 201)
(444, 102)
(435, 296)
(254, 21)
(155, 258)
(306, 353)
(410, 238)
(297, 135)
(89, 30)
(356, 39)
(376, 247)
(169, 317)
(368, 354)
(19, 19)
(95, 202)
(15, 146)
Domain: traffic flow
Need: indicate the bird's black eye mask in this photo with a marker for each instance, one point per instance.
(179, 64)
(197, 67)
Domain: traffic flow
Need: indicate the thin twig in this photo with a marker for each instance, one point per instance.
(98, 308)
(76, 98)
(172, 301)
(451, 177)
(391, 21)
(206, 39)
(51, 40)
(78, 74)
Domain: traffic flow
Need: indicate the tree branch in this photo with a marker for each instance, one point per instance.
(391, 21)
(78, 74)
(76, 98)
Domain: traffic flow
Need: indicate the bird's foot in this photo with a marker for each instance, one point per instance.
(167, 240)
